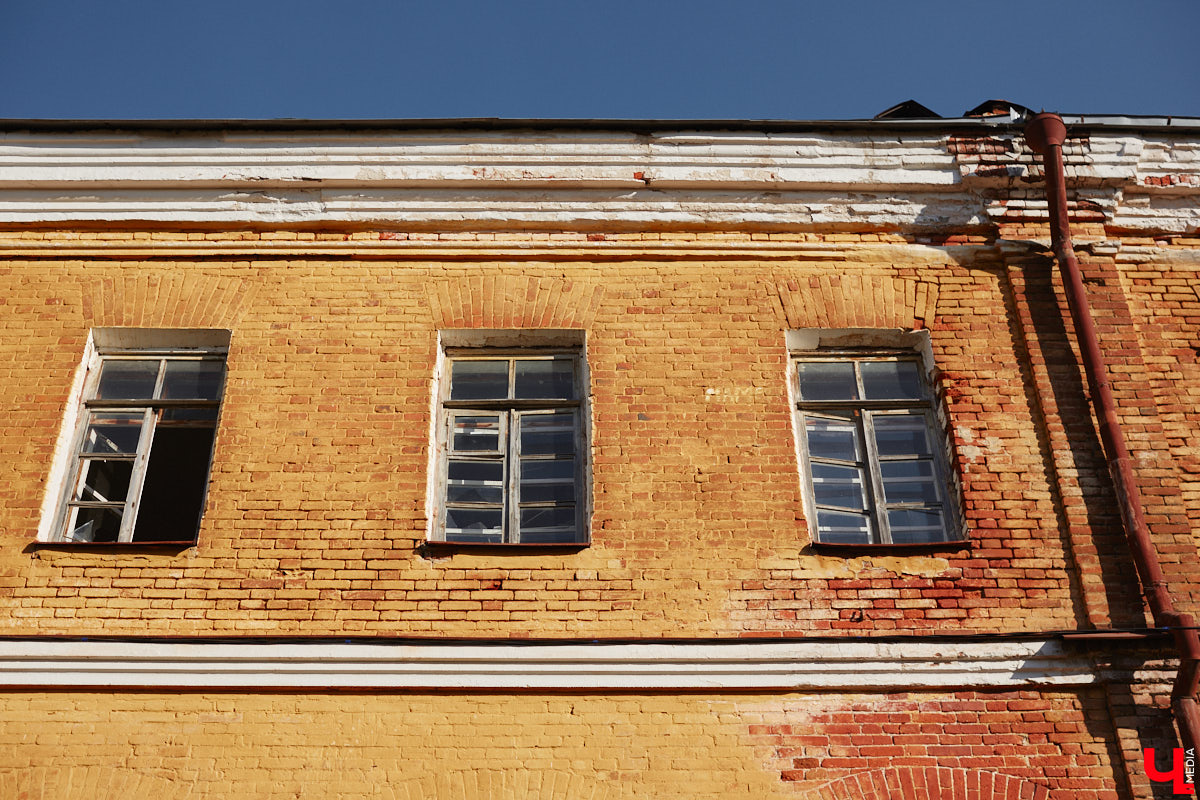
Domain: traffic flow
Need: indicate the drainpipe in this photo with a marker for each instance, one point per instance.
(1045, 133)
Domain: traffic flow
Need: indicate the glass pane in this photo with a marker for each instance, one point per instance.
(545, 378)
(173, 492)
(908, 482)
(474, 524)
(475, 482)
(901, 435)
(548, 524)
(545, 434)
(838, 486)
(839, 528)
(832, 438)
(193, 380)
(94, 525)
(113, 432)
(891, 380)
(479, 380)
(542, 470)
(913, 526)
(104, 481)
(127, 380)
(827, 380)
(196, 417)
(542, 485)
(476, 434)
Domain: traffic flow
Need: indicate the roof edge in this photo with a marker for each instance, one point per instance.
(993, 122)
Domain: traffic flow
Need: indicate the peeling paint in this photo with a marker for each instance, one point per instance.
(972, 448)
(810, 566)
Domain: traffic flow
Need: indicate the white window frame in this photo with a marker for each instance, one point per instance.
(858, 347)
(132, 344)
(510, 411)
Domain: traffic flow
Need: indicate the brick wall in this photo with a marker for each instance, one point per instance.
(316, 509)
(316, 517)
(409, 746)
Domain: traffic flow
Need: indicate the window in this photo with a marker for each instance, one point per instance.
(872, 455)
(139, 468)
(511, 442)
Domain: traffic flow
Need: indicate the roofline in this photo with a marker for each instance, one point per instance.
(992, 123)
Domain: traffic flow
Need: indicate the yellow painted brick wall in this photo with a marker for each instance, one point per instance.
(414, 746)
(316, 509)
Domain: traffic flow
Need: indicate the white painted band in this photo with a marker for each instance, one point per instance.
(734, 665)
(567, 179)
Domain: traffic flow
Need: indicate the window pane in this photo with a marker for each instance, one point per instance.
(127, 380)
(910, 526)
(831, 438)
(196, 417)
(545, 378)
(901, 435)
(559, 488)
(94, 525)
(104, 481)
(548, 524)
(476, 434)
(908, 482)
(173, 492)
(838, 486)
(546, 434)
(475, 482)
(113, 432)
(839, 528)
(474, 524)
(891, 380)
(827, 380)
(542, 470)
(479, 380)
(193, 380)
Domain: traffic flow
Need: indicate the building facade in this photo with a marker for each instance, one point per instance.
(606, 460)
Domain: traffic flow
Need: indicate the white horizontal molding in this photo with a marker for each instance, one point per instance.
(476, 157)
(418, 247)
(570, 178)
(499, 208)
(1168, 211)
(735, 665)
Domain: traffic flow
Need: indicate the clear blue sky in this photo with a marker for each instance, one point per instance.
(661, 59)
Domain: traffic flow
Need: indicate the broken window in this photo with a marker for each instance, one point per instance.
(144, 443)
(871, 449)
(511, 440)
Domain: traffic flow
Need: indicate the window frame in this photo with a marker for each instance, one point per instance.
(864, 414)
(510, 411)
(124, 347)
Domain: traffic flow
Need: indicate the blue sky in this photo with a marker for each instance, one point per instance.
(658, 59)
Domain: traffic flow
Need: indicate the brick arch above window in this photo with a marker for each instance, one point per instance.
(172, 299)
(929, 783)
(510, 301)
(856, 301)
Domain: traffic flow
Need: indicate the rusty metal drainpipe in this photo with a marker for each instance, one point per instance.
(1046, 133)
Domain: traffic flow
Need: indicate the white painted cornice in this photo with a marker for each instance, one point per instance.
(576, 179)
(735, 665)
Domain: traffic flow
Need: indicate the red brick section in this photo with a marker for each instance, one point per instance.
(831, 747)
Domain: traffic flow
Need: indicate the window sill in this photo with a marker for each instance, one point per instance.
(919, 548)
(113, 547)
(509, 548)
